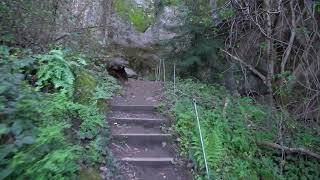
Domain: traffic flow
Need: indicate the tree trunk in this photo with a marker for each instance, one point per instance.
(215, 12)
(270, 52)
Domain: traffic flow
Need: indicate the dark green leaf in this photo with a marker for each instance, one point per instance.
(3, 128)
(5, 172)
(28, 140)
(5, 150)
(16, 128)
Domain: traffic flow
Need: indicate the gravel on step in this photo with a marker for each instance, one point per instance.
(151, 115)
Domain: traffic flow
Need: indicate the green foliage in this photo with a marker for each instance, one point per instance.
(301, 168)
(85, 85)
(92, 123)
(139, 19)
(46, 135)
(230, 134)
(199, 14)
(57, 164)
(94, 85)
(204, 53)
(213, 148)
(138, 16)
(283, 89)
(227, 13)
(49, 157)
(89, 174)
(170, 2)
(317, 7)
(55, 70)
(220, 3)
(107, 86)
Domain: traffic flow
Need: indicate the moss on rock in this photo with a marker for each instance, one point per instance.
(141, 18)
(89, 174)
(102, 105)
(85, 86)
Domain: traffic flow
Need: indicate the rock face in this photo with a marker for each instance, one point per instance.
(113, 30)
(112, 27)
(117, 63)
(145, 49)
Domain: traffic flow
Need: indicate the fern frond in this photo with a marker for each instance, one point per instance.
(213, 147)
(55, 69)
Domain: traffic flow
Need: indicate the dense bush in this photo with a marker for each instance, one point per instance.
(231, 126)
(45, 133)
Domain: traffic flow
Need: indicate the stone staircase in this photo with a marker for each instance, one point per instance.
(139, 142)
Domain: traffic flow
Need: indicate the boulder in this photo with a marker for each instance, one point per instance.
(130, 73)
(117, 63)
(117, 67)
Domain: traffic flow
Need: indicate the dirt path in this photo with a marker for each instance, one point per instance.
(139, 141)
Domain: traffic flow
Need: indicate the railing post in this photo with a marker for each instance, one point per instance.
(201, 137)
(174, 78)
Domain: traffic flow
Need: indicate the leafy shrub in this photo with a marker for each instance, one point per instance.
(108, 85)
(230, 134)
(49, 157)
(46, 135)
(56, 69)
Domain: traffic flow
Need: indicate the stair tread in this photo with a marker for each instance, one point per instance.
(168, 172)
(137, 118)
(135, 114)
(145, 150)
(141, 134)
(134, 129)
(137, 108)
(149, 159)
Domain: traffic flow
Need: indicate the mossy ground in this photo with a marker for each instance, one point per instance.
(85, 85)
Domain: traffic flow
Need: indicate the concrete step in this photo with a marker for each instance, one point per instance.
(134, 129)
(142, 161)
(130, 108)
(146, 150)
(138, 138)
(136, 114)
(138, 121)
(168, 172)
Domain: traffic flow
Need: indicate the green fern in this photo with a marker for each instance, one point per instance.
(92, 122)
(227, 137)
(58, 164)
(41, 133)
(56, 70)
(106, 88)
(213, 147)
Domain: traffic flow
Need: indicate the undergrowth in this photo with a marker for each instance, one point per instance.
(45, 132)
(231, 127)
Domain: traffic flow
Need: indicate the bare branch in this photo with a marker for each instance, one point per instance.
(289, 150)
(292, 37)
(254, 70)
